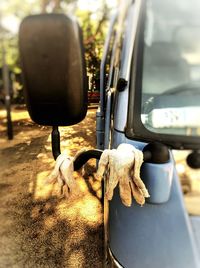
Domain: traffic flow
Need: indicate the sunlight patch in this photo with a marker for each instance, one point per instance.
(87, 209)
(42, 190)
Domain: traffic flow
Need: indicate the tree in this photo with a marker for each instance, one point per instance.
(94, 35)
(94, 28)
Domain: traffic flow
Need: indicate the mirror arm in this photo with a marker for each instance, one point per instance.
(81, 159)
(85, 156)
(155, 152)
(55, 142)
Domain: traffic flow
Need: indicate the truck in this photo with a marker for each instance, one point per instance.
(149, 98)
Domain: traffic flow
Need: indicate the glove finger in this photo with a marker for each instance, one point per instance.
(137, 194)
(52, 178)
(111, 184)
(103, 162)
(114, 173)
(60, 183)
(136, 172)
(67, 170)
(140, 185)
(125, 191)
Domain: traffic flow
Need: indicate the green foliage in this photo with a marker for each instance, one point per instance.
(12, 55)
(20, 8)
(93, 26)
(94, 35)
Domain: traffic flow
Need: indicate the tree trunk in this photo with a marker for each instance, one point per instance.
(44, 4)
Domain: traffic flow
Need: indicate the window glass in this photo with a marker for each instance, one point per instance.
(171, 67)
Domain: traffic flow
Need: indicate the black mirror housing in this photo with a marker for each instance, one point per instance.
(54, 70)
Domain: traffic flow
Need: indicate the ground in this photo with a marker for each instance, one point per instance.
(38, 228)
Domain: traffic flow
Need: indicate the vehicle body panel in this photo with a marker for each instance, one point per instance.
(159, 234)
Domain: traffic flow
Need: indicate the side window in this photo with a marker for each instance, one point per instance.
(106, 62)
(113, 58)
(108, 67)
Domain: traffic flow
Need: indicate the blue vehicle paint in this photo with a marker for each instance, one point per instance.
(160, 234)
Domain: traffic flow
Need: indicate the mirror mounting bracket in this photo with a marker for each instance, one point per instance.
(193, 159)
(81, 159)
(153, 152)
(55, 142)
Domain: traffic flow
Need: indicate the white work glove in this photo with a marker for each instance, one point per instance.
(122, 165)
(63, 174)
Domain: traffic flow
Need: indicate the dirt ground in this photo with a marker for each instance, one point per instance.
(38, 228)
(190, 180)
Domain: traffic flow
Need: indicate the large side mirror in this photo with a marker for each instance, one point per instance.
(53, 66)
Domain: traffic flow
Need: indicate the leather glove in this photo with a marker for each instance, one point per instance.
(122, 165)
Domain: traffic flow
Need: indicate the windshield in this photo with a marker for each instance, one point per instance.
(171, 66)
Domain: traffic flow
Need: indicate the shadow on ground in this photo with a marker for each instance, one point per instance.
(38, 228)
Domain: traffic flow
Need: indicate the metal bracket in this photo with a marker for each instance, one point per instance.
(155, 152)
